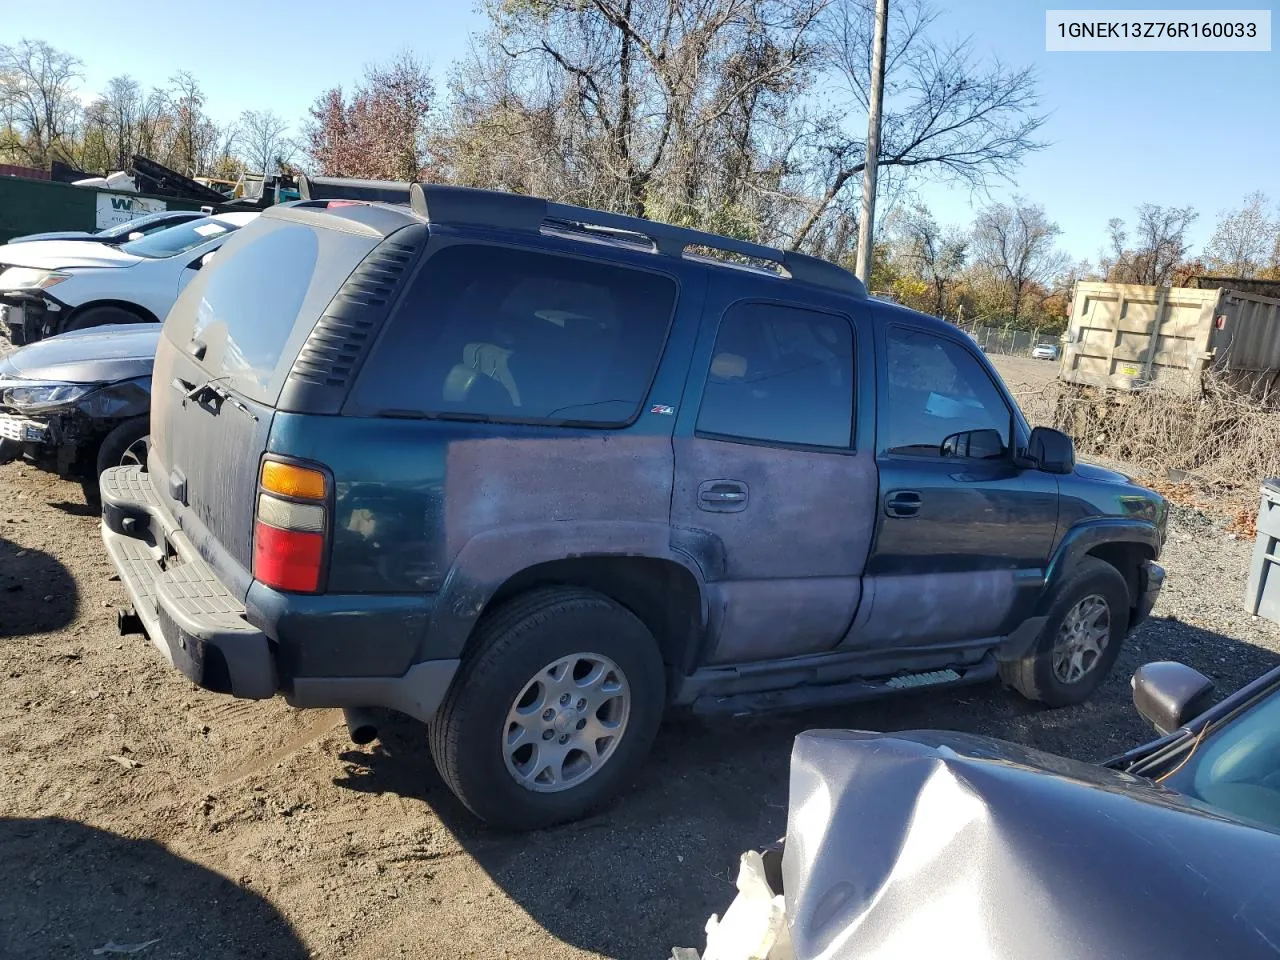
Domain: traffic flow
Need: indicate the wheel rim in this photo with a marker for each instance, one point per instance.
(135, 455)
(566, 723)
(1082, 638)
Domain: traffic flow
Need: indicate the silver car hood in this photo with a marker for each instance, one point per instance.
(948, 845)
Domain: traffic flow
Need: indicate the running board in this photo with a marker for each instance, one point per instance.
(835, 694)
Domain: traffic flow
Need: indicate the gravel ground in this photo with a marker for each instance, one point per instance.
(137, 807)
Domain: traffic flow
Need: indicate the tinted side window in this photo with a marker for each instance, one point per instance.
(937, 390)
(782, 375)
(518, 335)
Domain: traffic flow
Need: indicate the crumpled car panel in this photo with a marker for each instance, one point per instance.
(945, 845)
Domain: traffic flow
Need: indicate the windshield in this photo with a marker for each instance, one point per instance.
(179, 239)
(129, 226)
(1237, 768)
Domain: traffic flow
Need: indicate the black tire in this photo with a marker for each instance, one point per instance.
(100, 317)
(512, 646)
(121, 447)
(1035, 677)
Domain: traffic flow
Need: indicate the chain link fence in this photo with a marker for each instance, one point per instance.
(1006, 340)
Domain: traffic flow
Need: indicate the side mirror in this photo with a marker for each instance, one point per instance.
(974, 444)
(136, 235)
(1169, 694)
(1051, 450)
(199, 262)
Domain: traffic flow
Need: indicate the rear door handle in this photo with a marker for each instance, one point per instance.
(722, 496)
(902, 503)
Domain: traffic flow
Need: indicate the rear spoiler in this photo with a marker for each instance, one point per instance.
(350, 188)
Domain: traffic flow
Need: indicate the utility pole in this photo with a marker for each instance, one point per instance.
(866, 220)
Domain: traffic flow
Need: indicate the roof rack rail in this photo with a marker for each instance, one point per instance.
(511, 211)
(351, 188)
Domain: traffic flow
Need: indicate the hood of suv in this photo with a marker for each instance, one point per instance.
(97, 355)
(60, 254)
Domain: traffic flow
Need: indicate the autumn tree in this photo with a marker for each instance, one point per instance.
(934, 254)
(1151, 253)
(39, 109)
(380, 132)
(1015, 242)
(1245, 240)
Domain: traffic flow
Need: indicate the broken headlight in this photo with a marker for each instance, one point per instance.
(38, 397)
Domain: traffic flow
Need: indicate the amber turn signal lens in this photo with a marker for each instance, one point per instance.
(290, 481)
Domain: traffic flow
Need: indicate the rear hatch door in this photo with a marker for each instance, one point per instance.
(226, 349)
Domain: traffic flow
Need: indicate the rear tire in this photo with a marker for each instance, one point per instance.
(518, 647)
(101, 316)
(1079, 599)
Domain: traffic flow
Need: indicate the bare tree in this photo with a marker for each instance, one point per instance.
(936, 254)
(1159, 245)
(264, 141)
(679, 109)
(1015, 241)
(38, 101)
(194, 144)
(945, 112)
(1244, 240)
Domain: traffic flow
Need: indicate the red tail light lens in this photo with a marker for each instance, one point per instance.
(287, 559)
(289, 528)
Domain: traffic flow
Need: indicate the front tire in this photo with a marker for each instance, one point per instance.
(1083, 632)
(125, 446)
(554, 710)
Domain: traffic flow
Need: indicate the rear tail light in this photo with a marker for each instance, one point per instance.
(290, 526)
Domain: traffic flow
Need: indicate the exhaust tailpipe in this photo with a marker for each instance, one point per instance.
(361, 725)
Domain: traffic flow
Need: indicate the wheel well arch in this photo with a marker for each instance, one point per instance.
(139, 311)
(665, 595)
(1127, 556)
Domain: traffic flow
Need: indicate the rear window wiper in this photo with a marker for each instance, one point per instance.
(198, 392)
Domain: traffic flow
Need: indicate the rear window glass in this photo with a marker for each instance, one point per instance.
(245, 306)
(508, 334)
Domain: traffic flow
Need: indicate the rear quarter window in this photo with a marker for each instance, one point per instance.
(517, 335)
(254, 304)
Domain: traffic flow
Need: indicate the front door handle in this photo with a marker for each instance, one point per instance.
(902, 503)
(722, 496)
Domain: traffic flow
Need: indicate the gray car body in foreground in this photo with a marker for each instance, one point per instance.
(929, 844)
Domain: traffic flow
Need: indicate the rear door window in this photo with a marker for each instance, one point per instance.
(498, 333)
(782, 375)
(244, 305)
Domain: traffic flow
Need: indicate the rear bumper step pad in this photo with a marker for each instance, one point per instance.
(189, 616)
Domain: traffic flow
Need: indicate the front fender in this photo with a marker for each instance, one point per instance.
(1088, 535)
(490, 559)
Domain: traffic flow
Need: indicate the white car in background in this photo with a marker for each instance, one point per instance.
(53, 286)
(1045, 351)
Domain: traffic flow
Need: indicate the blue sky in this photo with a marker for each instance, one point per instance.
(1125, 128)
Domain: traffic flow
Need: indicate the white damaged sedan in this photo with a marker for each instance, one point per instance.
(53, 286)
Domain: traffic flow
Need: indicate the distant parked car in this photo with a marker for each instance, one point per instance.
(53, 286)
(1045, 351)
(80, 402)
(134, 229)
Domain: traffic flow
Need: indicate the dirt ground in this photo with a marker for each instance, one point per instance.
(137, 808)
